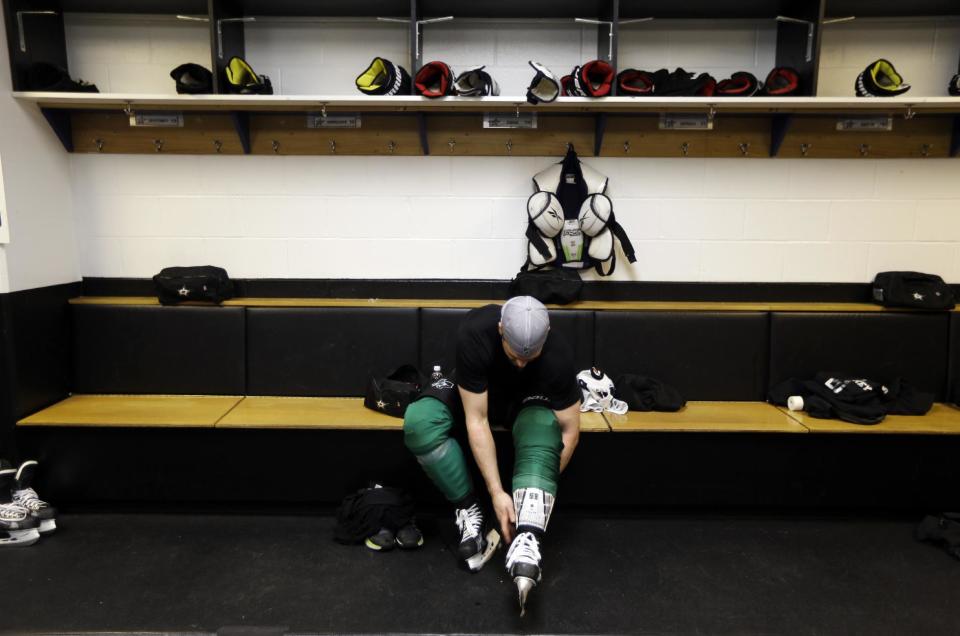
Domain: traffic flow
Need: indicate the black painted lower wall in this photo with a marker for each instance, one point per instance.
(207, 469)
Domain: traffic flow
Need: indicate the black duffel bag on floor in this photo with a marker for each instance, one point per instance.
(204, 282)
(912, 289)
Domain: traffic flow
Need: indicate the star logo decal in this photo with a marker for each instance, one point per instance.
(381, 404)
(183, 291)
(917, 296)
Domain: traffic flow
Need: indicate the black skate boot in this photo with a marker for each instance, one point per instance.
(477, 542)
(524, 565)
(26, 496)
(409, 536)
(382, 541)
(17, 526)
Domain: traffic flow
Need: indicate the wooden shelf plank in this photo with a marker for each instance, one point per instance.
(185, 411)
(614, 305)
(305, 103)
(307, 412)
(943, 419)
(708, 417)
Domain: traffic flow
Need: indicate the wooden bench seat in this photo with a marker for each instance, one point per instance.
(708, 417)
(229, 412)
(943, 419)
(188, 411)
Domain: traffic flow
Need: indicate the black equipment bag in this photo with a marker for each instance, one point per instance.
(364, 512)
(203, 282)
(912, 289)
(549, 286)
(393, 393)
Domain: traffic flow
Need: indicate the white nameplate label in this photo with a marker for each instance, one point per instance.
(867, 122)
(340, 120)
(157, 120)
(525, 121)
(685, 121)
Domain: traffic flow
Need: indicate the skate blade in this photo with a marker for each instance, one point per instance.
(480, 559)
(47, 526)
(524, 585)
(20, 538)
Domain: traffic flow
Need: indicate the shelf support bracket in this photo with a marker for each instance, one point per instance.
(779, 127)
(241, 123)
(422, 128)
(59, 120)
(955, 137)
(600, 128)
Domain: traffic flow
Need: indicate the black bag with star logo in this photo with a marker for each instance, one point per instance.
(912, 289)
(393, 393)
(204, 283)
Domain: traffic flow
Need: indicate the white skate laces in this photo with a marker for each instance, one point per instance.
(13, 512)
(470, 522)
(533, 507)
(525, 549)
(597, 389)
(28, 499)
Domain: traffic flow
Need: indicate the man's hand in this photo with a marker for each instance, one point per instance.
(506, 514)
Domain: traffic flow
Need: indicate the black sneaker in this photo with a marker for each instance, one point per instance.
(382, 541)
(409, 536)
(477, 543)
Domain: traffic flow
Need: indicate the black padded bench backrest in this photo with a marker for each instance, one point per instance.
(185, 350)
(438, 335)
(877, 345)
(326, 352)
(704, 355)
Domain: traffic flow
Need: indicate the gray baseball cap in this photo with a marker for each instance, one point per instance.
(525, 324)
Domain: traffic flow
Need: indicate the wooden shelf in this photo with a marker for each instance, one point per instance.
(401, 104)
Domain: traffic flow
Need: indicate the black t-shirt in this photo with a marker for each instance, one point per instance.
(482, 365)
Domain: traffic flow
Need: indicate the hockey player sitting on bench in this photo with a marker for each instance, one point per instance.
(510, 370)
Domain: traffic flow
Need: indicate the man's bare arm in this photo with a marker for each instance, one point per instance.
(569, 419)
(485, 454)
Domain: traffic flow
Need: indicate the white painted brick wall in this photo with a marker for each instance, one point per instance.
(442, 217)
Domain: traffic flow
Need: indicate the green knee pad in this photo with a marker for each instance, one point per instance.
(426, 432)
(537, 445)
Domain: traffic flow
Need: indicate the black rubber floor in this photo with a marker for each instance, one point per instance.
(663, 575)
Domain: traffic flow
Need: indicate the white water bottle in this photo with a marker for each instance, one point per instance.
(437, 373)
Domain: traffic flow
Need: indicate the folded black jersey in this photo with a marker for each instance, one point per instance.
(781, 82)
(434, 79)
(593, 79)
(680, 83)
(880, 79)
(740, 84)
(475, 82)
(383, 77)
(42, 76)
(192, 79)
(634, 83)
(241, 79)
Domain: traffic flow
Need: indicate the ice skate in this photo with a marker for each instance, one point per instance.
(26, 496)
(17, 526)
(477, 542)
(523, 565)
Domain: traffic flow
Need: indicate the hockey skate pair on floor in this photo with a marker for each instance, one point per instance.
(478, 541)
(24, 517)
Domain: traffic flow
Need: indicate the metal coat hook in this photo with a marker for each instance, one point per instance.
(910, 113)
(744, 148)
(626, 146)
(333, 146)
(452, 143)
(804, 149)
(323, 111)
(509, 146)
(99, 143)
(158, 144)
(392, 147)
(128, 110)
(925, 150)
(684, 148)
(217, 145)
(712, 112)
(864, 150)
(276, 147)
